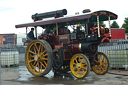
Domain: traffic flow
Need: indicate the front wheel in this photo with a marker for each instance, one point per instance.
(103, 65)
(80, 66)
(38, 57)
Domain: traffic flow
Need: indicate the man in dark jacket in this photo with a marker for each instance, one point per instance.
(31, 35)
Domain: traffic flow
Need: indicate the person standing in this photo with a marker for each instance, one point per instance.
(30, 35)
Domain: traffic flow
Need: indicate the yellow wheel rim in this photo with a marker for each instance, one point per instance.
(103, 66)
(79, 66)
(36, 58)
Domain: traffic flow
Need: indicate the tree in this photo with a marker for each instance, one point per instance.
(125, 25)
(114, 25)
(101, 23)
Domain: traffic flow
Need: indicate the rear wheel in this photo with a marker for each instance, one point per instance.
(38, 57)
(103, 65)
(80, 66)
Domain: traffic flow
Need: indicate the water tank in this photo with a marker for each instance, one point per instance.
(118, 58)
(10, 58)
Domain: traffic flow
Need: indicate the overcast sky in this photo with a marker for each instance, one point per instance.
(13, 12)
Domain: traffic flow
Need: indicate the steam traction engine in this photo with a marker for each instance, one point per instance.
(62, 50)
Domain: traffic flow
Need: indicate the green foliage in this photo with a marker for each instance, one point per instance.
(114, 25)
(125, 25)
(101, 23)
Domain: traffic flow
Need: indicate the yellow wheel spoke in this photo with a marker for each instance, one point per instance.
(97, 67)
(34, 49)
(32, 52)
(38, 66)
(41, 68)
(99, 57)
(84, 68)
(105, 62)
(76, 60)
(36, 46)
(45, 55)
(43, 52)
(31, 60)
(79, 59)
(82, 60)
(105, 66)
(44, 58)
(39, 49)
(77, 71)
(103, 59)
(75, 68)
(32, 56)
(100, 69)
(35, 66)
(85, 63)
(74, 64)
(34, 63)
(42, 48)
(42, 64)
(45, 63)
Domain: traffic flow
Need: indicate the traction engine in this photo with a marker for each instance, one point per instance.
(61, 49)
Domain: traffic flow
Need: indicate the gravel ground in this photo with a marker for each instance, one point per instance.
(21, 76)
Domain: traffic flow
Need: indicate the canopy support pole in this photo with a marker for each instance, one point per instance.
(36, 31)
(26, 33)
(109, 26)
(56, 29)
(98, 26)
